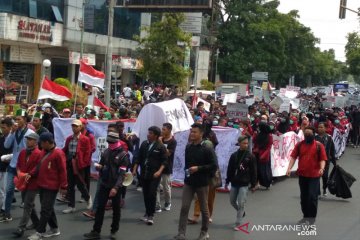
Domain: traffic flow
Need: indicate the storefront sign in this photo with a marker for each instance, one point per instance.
(126, 62)
(19, 28)
(88, 58)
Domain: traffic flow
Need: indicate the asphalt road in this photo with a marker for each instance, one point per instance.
(277, 208)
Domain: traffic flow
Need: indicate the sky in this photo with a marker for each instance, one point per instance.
(322, 16)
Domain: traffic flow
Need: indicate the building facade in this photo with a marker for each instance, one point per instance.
(34, 30)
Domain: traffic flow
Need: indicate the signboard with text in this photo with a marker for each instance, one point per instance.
(237, 110)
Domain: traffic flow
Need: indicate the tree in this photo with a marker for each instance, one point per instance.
(255, 36)
(207, 85)
(352, 50)
(161, 55)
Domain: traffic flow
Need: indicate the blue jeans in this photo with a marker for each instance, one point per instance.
(238, 197)
(10, 187)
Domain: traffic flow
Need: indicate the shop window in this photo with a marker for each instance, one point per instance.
(32, 8)
(57, 14)
(126, 23)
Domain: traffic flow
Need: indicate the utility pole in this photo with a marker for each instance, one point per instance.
(109, 53)
(82, 29)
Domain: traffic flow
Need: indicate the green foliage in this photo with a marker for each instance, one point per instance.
(207, 85)
(81, 98)
(160, 53)
(255, 36)
(352, 50)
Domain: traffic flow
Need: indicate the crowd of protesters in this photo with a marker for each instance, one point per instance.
(28, 151)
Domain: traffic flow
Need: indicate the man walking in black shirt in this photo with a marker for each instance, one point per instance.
(200, 165)
(152, 159)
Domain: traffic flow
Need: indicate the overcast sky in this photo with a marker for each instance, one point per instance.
(322, 16)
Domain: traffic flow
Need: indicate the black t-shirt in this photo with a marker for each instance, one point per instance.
(171, 146)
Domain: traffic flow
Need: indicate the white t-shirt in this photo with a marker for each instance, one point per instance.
(127, 92)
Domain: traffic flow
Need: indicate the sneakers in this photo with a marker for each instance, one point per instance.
(180, 237)
(139, 189)
(62, 199)
(303, 221)
(203, 236)
(6, 218)
(69, 210)
(89, 214)
(31, 227)
(92, 235)
(35, 236)
(51, 233)
(167, 206)
(112, 236)
(89, 203)
(18, 233)
(144, 218)
(82, 200)
(158, 209)
(150, 220)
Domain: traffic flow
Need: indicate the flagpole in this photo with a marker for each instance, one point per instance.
(46, 64)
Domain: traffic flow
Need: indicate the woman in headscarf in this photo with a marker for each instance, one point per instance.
(262, 151)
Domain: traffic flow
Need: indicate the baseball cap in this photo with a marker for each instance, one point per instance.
(46, 136)
(76, 122)
(33, 136)
(66, 110)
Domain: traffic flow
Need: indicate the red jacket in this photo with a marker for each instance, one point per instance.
(29, 166)
(83, 151)
(263, 155)
(52, 173)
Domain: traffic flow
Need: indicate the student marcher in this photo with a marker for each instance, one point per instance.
(311, 166)
(241, 173)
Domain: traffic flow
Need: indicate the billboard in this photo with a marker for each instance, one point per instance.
(167, 5)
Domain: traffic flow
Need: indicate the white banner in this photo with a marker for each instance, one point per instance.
(281, 150)
(231, 98)
(156, 114)
(62, 129)
(340, 140)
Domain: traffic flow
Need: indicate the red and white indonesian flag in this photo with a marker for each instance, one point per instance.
(91, 76)
(52, 90)
(99, 104)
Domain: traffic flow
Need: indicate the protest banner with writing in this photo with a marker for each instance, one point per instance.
(340, 101)
(237, 110)
(293, 88)
(62, 129)
(156, 114)
(266, 96)
(281, 150)
(229, 98)
(304, 105)
(340, 140)
(285, 106)
(276, 103)
(207, 105)
(327, 104)
(295, 103)
(291, 94)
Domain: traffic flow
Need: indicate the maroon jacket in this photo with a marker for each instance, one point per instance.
(83, 151)
(29, 166)
(52, 173)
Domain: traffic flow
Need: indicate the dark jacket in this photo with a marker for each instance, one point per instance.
(171, 147)
(329, 145)
(3, 151)
(150, 160)
(204, 157)
(241, 169)
(115, 163)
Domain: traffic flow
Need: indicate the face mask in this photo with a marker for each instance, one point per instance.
(263, 121)
(272, 127)
(252, 119)
(347, 112)
(282, 120)
(309, 138)
(317, 115)
(215, 123)
(291, 122)
(236, 126)
(337, 121)
(257, 114)
(230, 124)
